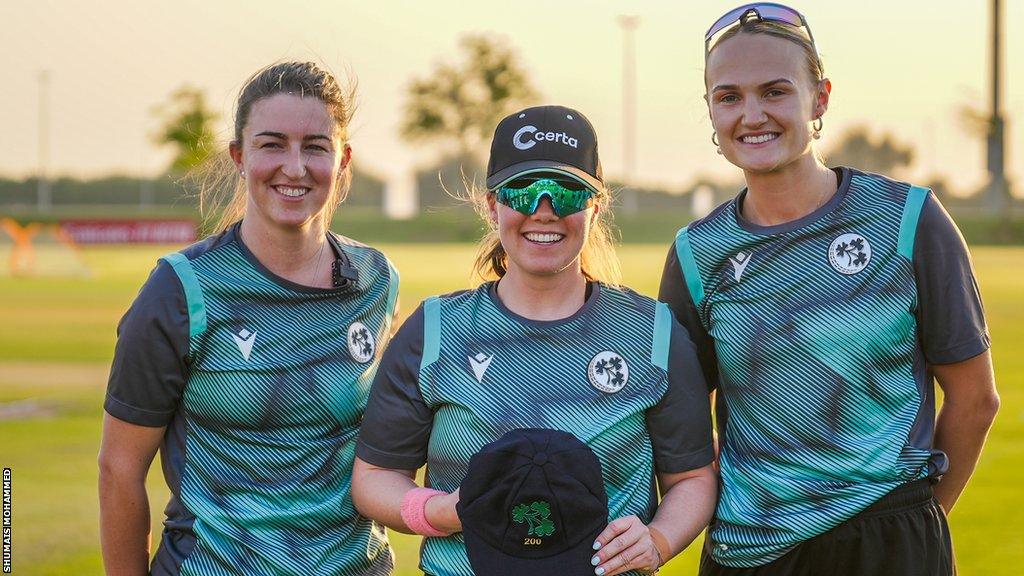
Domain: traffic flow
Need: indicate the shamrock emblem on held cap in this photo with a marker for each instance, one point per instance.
(537, 515)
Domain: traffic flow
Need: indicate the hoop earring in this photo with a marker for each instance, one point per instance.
(818, 124)
(714, 140)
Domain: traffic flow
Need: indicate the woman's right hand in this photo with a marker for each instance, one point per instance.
(626, 544)
(441, 513)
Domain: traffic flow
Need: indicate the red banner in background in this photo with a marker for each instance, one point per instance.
(130, 231)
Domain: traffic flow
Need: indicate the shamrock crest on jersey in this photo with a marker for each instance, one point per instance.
(849, 253)
(360, 343)
(608, 372)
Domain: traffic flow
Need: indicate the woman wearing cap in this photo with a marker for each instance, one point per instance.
(554, 344)
(246, 360)
(823, 301)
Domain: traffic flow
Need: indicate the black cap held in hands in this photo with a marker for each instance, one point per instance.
(533, 502)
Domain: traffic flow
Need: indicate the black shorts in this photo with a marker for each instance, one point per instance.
(904, 533)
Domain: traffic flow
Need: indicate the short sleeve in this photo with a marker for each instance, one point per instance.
(680, 424)
(150, 368)
(397, 423)
(950, 315)
(673, 292)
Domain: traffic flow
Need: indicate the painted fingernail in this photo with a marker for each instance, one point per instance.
(599, 571)
(597, 544)
(595, 560)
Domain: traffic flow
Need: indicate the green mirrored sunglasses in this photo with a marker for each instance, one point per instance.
(524, 195)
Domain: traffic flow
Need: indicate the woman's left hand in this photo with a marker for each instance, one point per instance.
(626, 544)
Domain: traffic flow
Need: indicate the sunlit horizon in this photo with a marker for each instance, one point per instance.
(904, 69)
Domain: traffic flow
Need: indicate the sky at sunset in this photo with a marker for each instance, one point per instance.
(904, 67)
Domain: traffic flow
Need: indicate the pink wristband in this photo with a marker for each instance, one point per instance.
(414, 511)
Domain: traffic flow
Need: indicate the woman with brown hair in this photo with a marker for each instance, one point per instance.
(246, 360)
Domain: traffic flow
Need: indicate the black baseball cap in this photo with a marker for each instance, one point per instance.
(544, 140)
(533, 502)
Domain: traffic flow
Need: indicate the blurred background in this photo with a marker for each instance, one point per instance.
(110, 102)
(107, 107)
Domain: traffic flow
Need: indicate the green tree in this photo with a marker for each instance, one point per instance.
(858, 149)
(187, 125)
(460, 104)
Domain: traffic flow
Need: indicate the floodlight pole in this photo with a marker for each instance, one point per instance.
(998, 191)
(629, 24)
(145, 184)
(43, 200)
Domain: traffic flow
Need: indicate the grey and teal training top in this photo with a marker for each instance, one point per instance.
(621, 374)
(261, 384)
(819, 334)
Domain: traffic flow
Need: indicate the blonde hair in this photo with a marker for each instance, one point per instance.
(598, 259)
(796, 35)
(222, 194)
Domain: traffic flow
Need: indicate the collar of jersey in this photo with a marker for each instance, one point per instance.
(845, 176)
(492, 293)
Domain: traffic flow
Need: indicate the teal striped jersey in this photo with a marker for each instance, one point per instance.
(261, 435)
(464, 370)
(825, 399)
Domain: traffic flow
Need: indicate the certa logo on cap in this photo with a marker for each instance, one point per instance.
(528, 136)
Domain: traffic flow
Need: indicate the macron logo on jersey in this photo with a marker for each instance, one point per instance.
(245, 339)
(739, 264)
(479, 364)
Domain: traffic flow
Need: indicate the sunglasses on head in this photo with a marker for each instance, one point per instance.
(763, 12)
(566, 196)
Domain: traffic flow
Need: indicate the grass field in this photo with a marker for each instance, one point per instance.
(57, 335)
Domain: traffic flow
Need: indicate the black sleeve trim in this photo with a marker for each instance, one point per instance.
(686, 462)
(384, 459)
(135, 415)
(961, 352)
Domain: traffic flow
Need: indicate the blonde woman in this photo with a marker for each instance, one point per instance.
(823, 301)
(552, 343)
